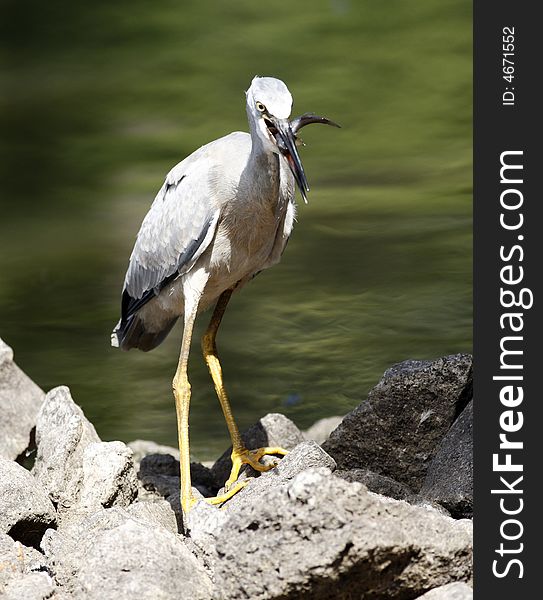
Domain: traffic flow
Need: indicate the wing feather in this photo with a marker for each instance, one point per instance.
(175, 232)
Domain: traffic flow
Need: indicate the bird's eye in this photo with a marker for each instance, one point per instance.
(260, 106)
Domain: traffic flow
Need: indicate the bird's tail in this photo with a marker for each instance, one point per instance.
(133, 334)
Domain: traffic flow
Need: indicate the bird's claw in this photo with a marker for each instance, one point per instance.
(233, 486)
(252, 458)
(227, 494)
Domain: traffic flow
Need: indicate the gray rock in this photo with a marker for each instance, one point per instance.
(159, 464)
(321, 537)
(415, 500)
(153, 460)
(20, 401)
(396, 431)
(157, 512)
(62, 435)
(109, 478)
(164, 487)
(467, 524)
(17, 561)
(81, 473)
(204, 520)
(320, 430)
(112, 555)
(25, 509)
(380, 484)
(34, 586)
(159, 476)
(160, 485)
(272, 430)
(304, 456)
(449, 479)
(203, 479)
(142, 448)
(451, 591)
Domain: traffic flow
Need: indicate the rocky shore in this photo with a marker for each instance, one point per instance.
(376, 505)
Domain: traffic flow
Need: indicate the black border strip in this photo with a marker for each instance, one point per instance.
(500, 128)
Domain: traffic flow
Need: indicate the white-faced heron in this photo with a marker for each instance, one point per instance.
(223, 214)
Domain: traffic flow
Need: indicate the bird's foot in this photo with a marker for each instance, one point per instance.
(240, 458)
(228, 494)
(252, 458)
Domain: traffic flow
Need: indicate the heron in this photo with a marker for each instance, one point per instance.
(222, 215)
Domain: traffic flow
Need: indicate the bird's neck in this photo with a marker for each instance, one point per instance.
(262, 167)
(265, 172)
(263, 163)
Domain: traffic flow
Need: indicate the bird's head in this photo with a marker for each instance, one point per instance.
(268, 107)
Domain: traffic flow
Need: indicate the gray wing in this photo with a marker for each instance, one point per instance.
(177, 229)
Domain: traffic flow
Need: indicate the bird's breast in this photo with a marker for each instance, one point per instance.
(249, 221)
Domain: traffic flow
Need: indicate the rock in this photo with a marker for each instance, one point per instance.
(25, 509)
(321, 429)
(396, 431)
(467, 524)
(160, 485)
(109, 478)
(272, 430)
(159, 474)
(20, 401)
(34, 586)
(158, 479)
(296, 531)
(157, 512)
(112, 555)
(304, 456)
(153, 460)
(451, 591)
(17, 562)
(449, 479)
(62, 435)
(321, 537)
(206, 521)
(142, 448)
(159, 464)
(203, 480)
(380, 484)
(156, 466)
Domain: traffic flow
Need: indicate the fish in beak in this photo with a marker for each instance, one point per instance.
(308, 118)
(285, 138)
(284, 132)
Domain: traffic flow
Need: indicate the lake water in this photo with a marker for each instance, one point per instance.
(104, 99)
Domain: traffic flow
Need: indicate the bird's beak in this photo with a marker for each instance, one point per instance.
(286, 142)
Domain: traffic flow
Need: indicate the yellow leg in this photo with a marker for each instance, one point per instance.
(181, 392)
(240, 454)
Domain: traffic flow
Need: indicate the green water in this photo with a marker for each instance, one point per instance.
(101, 99)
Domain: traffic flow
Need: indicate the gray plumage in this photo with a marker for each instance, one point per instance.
(222, 215)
